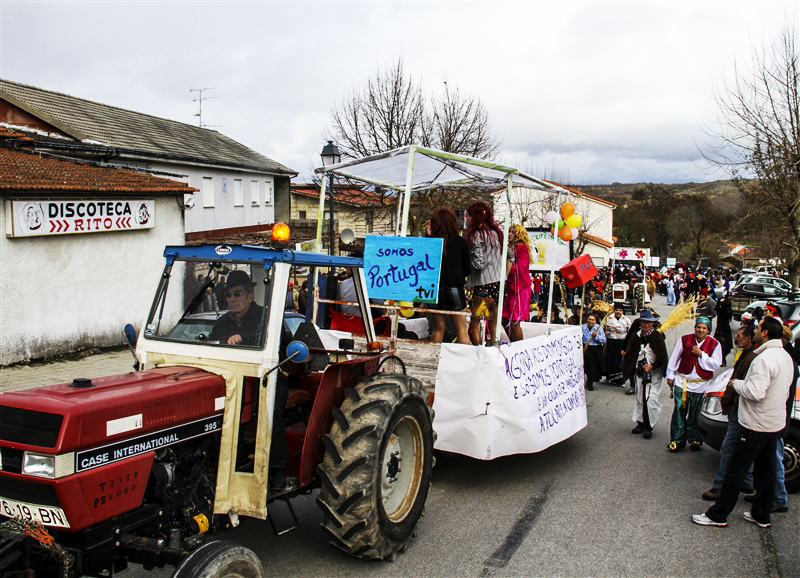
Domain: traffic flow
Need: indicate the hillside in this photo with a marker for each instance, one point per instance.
(617, 192)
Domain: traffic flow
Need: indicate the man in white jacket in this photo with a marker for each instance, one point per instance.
(762, 416)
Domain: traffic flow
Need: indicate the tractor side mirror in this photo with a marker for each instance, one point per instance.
(346, 344)
(130, 338)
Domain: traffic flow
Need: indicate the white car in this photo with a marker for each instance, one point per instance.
(756, 278)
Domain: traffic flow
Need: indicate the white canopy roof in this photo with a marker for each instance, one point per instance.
(430, 168)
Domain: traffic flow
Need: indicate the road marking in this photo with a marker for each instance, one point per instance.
(522, 527)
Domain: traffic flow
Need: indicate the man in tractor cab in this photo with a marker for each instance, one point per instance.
(241, 324)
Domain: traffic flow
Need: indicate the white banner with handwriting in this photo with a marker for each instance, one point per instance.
(518, 398)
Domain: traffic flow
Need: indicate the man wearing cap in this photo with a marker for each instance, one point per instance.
(695, 358)
(241, 324)
(762, 416)
(645, 357)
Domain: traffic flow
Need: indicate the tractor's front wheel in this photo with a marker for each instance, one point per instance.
(377, 466)
(220, 559)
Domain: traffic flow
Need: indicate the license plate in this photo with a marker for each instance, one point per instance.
(45, 515)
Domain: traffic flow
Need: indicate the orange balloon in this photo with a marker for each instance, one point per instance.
(565, 234)
(567, 210)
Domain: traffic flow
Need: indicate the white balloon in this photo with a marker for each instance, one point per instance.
(551, 217)
(575, 233)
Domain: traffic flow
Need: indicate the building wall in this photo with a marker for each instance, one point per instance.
(64, 293)
(217, 205)
(345, 216)
(529, 206)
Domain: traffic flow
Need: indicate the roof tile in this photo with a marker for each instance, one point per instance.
(134, 131)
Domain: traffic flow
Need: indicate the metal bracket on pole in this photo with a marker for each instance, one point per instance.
(503, 259)
(321, 214)
(550, 302)
(412, 151)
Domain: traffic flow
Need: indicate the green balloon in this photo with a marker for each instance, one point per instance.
(562, 223)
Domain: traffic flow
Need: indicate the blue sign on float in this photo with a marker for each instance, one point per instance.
(403, 268)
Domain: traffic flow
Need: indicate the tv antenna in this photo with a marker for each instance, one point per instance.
(199, 100)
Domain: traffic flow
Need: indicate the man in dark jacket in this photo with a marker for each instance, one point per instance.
(646, 357)
(730, 405)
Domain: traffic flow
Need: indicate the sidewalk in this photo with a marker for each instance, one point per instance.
(20, 377)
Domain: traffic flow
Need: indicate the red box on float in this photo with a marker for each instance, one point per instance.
(578, 271)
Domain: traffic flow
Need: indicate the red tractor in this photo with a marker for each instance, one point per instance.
(241, 404)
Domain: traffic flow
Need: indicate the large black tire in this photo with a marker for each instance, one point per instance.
(608, 293)
(638, 298)
(220, 559)
(791, 459)
(377, 467)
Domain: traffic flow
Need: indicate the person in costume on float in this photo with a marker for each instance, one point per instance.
(516, 305)
(645, 358)
(691, 366)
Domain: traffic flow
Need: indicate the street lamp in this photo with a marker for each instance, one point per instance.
(330, 156)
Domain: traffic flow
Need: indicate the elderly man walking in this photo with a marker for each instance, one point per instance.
(691, 366)
(645, 357)
(762, 416)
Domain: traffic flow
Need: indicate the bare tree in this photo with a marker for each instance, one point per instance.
(387, 112)
(459, 123)
(757, 137)
(392, 110)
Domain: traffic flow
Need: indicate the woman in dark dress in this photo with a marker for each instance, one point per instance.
(455, 268)
(723, 331)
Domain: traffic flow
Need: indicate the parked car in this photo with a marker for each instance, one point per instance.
(789, 313)
(782, 283)
(743, 295)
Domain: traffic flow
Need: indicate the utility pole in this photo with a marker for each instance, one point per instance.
(199, 101)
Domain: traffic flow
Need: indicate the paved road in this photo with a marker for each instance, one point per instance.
(603, 503)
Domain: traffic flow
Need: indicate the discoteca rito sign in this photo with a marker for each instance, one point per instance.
(40, 218)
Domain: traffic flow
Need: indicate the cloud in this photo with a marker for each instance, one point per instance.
(608, 91)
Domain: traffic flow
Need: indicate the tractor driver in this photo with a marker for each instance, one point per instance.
(241, 324)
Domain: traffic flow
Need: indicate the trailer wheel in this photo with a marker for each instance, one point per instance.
(377, 467)
(791, 459)
(220, 559)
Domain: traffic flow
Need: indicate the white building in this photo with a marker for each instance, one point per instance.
(240, 190)
(529, 207)
(81, 250)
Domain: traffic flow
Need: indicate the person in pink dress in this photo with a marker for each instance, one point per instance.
(517, 300)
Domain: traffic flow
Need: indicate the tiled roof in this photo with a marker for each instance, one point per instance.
(93, 123)
(350, 195)
(597, 240)
(587, 195)
(24, 171)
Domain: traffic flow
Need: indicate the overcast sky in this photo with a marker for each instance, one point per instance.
(589, 92)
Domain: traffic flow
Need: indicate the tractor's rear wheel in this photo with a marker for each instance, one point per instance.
(377, 467)
(638, 298)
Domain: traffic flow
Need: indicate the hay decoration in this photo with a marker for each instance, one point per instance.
(680, 315)
(602, 307)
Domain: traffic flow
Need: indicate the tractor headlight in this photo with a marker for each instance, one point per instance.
(40, 465)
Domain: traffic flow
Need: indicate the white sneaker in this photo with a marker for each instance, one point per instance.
(704, 520)
(749, 517)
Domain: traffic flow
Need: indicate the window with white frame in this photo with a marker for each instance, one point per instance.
(254, 193)
(238, 197)
(268, 196)
(208, 191)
